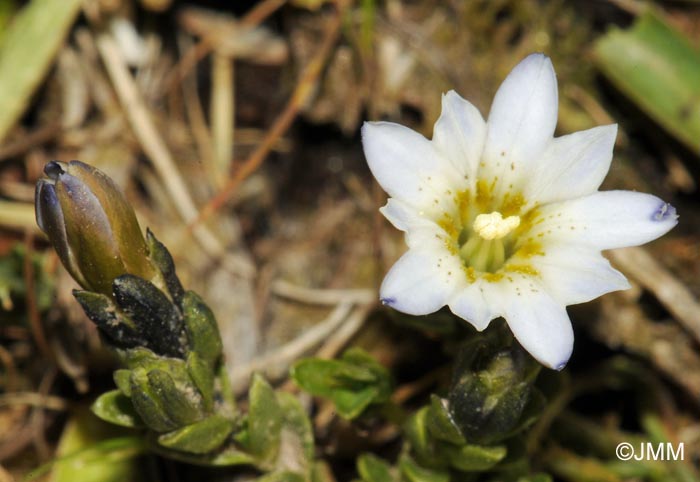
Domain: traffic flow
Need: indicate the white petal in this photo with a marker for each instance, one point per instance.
(403, 216)
(607, 219)
(573, 166)
(407, 166)
(575, 274)
(471, 303)
(539, 323)
(522, 120)
(421, 231)
(460, 133)
(420, 282)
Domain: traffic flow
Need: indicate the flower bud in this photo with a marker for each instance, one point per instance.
(90, 224)
(491, 388)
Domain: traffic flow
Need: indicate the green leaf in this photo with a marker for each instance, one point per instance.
(297, 423)
(282, 476)
(475, 458)
(440, 423)
(91, 450)
(202, 330)
(28, 47)
(658, 68)
(203, 377)
(421, 441)
(351, 404)
(413, 472)
(323, 377)
(115, 407)
(353, 383)
(147, 403)
(122, 379)
(536, 478)
(200, 437)
(264, 421)
(180, 405)
(373, 469)
(162, 259)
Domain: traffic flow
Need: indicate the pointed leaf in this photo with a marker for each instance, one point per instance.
(200, 437)
(373, 469)
(413, 472)
(264, 421)
(115, 407)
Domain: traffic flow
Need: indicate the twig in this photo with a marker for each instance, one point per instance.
(257, 14)
(302, 93)
(314, 296)
(280, 359)
(155, 148)
(670, 292)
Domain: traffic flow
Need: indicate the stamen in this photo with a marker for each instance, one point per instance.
(493, 226)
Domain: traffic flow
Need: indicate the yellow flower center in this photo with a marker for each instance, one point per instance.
(488, 233)
(493, 226)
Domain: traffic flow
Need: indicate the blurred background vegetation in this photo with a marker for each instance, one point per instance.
(233, 128)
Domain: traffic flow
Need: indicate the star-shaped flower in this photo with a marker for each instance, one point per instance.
(504, 220)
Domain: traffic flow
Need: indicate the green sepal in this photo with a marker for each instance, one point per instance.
(147, 403)
(181, 405)
(264, 421)
(161, 258)
(412, 472)
(156, 318)
(202, 329)
(122, 379)
(475, 458)
(440, 422)
(115, 407)
(200, 437)
(203, 377)
(489, 392)
(373, 469)
(101, 310)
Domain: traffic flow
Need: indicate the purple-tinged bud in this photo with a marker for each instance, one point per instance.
(91, 226)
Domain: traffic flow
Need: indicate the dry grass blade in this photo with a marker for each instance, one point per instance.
(300, 96)
(27, 51)
(670, 292)
(278, 361)
(322, 296)
(154, 146)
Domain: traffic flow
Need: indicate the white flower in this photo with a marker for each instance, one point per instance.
(504, 220)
